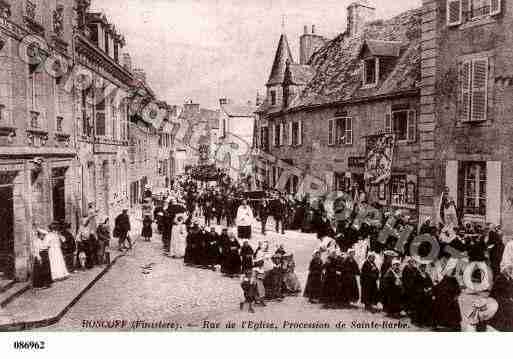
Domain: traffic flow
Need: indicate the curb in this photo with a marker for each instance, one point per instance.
(24, 326)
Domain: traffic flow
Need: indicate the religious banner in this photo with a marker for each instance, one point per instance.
(378, 162)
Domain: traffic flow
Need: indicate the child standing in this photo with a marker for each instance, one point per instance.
(147, 231)
(249, 287)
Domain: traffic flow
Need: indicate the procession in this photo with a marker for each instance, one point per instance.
(350, 267)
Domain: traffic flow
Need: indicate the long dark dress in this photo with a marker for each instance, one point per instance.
(224, 244)
(502, 292)
(212, 248)
(273, 283)
(233, 262)
(42, 275)
(369, 282)
(392, 293)
(147, 231)
(246, 253)
(496, 250)
(313, 287)
(422, 300)
(446, 309)
(409, 277)
(330, 285)
(191, 245)
(349, 284)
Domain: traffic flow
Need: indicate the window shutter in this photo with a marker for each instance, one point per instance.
(349, 131)
(40, 93)
(493, 192)
(451, 179)
(454, 12)
(272, 134)
(282, 134)
(290, 133)
(479, 89)
(388, 123)
(300, 134)
(412, 126)
(465, 77)
(331, 132)
(495, 7)
(364, 75)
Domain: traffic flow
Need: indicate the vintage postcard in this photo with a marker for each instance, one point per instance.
(256, 166)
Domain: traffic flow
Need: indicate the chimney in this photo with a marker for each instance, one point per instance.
(127, 62)
(140, 75)
(223, 101)
(308, 44)
(358, 14)
(306, 30)
(258, 99)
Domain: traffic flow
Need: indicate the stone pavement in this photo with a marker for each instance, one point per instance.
(146, 286)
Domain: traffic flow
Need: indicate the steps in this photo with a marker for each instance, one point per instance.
(12, 290)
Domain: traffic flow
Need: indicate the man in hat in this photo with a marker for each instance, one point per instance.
(122, 223)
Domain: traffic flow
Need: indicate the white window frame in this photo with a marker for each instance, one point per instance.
(331, 132)
(476, 196)
(491, 12)
(411, 115)
(367, 84)
(347, 134)
(299, 137)
(277, 134)
(460, 17)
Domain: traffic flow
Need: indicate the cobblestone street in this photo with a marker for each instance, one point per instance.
(189, 296)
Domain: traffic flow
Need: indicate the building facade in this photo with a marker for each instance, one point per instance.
(466, 109)
(37, 182)
(102, 114)
(320, 118)
(235, 138)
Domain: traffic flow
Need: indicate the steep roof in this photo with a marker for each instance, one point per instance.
(382, 48)
(283, 54)
(297, 74)
(337, 65)
(236, 110)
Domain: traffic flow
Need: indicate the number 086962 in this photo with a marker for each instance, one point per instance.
(29, 345)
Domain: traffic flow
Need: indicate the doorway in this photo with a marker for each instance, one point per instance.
(59, 194)
(7, 232)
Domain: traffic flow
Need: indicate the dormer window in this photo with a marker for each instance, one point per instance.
(460, 11)
(370, 72)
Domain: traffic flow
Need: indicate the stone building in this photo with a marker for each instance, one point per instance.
(235, 137)
(102, 113)
(192, 130)
(321, 116)
(37, 182)
(467, 75)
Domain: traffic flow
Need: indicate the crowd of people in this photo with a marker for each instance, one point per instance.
(58, 253)
(422, 279)
(355, 261)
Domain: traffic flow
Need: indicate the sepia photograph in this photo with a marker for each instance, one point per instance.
(257, 166)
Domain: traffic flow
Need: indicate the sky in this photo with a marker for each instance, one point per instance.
(204, 50)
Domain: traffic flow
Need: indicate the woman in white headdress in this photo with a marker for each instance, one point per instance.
(178, 237)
